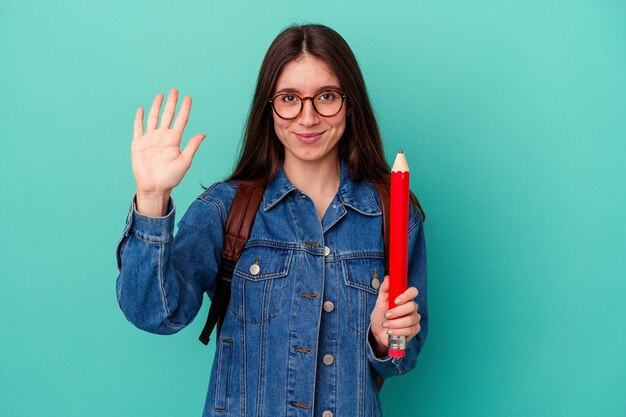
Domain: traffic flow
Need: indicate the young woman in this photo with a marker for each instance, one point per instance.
(307, 323)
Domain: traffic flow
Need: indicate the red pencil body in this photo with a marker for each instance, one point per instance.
(398, 240)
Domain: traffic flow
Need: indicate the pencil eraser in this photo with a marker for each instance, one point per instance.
(396, 353)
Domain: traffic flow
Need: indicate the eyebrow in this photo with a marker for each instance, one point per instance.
(319, 90)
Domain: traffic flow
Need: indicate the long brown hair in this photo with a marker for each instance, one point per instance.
(361, 146)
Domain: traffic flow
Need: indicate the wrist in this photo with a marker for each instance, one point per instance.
(152, 204)
(379, 347)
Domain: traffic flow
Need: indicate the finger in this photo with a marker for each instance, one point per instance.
(192, 147)
(183, 114)
(153, 116)
(138, 126)
(407, 295)
(403, 310)
(170, 108)
(406, 321)
(405, 331)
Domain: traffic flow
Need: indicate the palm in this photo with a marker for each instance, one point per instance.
(158, 164)
(157, 161)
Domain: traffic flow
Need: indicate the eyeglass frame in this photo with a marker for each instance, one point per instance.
(302, 99)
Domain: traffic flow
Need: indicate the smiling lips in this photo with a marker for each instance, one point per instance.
(309, 137)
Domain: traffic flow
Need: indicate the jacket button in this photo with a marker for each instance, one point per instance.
(327, 413)
(328, 359)
(375, 283)
(326, 251)
(255, 269)
(329, 306)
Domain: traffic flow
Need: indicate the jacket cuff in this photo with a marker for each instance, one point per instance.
(150, 229)
(370, 348)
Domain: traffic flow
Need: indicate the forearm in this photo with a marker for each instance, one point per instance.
(151, 292)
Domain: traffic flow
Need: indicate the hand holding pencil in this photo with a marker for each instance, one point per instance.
(402, 320)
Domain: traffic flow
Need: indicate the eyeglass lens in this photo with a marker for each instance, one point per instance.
(326, 103)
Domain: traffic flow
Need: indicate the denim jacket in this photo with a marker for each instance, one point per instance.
(295, 338)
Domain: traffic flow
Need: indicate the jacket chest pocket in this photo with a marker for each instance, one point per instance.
(363, 277)
(258, 284)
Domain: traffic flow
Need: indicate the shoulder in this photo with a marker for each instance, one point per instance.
(415, 215)
(215, 200)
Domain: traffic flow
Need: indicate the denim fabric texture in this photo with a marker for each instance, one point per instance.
(294, 342)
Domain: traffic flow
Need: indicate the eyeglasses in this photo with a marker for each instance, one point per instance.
(288, 106)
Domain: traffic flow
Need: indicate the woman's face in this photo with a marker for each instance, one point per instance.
(309, 137)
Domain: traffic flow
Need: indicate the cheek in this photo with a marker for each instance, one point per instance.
(280, 127)
(340, 124)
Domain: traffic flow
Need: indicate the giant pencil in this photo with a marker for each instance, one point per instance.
(398, 242)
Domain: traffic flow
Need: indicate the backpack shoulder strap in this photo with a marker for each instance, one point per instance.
(237, 232)
(241, 218)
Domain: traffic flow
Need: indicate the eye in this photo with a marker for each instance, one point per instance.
(327, 96)
(288, 99)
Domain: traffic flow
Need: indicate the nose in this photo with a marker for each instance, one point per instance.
(309, 116)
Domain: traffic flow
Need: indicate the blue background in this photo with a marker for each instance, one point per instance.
(512, 115)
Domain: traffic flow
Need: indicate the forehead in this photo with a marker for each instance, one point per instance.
(306, 75)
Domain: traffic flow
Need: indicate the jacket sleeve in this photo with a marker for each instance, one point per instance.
(163, 278)
(387, 366)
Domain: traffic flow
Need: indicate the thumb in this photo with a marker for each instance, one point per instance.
(384, 287)
(383, 292)
(192, 147)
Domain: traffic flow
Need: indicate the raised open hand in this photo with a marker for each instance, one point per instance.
(158, 164)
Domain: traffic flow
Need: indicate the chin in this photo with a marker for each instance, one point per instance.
(313, 156)
(308, 158)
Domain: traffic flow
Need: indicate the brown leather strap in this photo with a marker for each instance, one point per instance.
(238, 227)
(241, 218)
(383, 193)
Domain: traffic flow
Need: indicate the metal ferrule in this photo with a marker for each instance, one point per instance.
(397, 342)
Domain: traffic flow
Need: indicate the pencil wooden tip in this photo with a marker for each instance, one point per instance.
(400, 164)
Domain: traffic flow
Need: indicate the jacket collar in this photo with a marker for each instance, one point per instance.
(358, 195)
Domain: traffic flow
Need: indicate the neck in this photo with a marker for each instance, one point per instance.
(314, 178)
